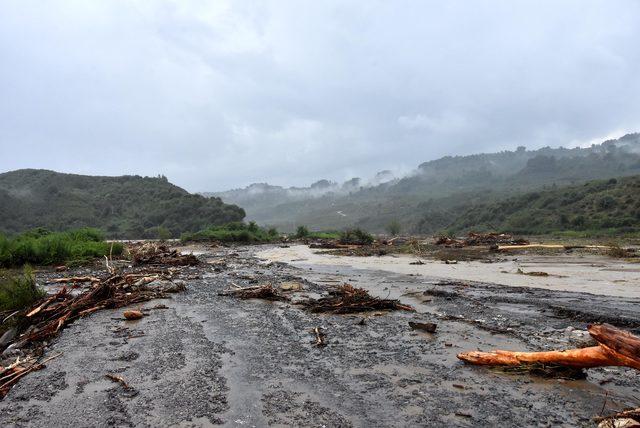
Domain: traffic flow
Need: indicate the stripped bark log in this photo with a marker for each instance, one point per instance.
(616, 347)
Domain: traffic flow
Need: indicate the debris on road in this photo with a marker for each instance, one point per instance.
(47, 317)
(348, 299)
(290, 286)
(616, 347)
(320, 336)
(266, 292)
(429, 327)
(534, 273)
(475, 239)
(151, 253)
(624, 419)
(74, 279)
(118, 379)
(20, 368)
(132, 315)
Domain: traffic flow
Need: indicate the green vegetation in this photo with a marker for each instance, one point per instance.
(127, 207)
(394, 228)
(234, 232)
(602, 207)
(302, 232)
(41, 247)
(18, 291)
(356, 236)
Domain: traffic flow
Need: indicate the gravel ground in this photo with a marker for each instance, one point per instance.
(212, 359)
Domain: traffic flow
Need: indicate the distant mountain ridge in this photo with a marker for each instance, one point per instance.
(426, 200)
(124, 207)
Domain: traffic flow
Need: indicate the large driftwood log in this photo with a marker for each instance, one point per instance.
(616, 347)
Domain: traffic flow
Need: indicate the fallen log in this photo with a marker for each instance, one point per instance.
(616, 347)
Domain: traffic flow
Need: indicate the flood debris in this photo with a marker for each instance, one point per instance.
(151, 253)
(74, 279)
(533, 273)
(615, 347)
(320, 336)
(265, 292)
(118, 379)
(625, 419)
(429, 327)
(476, 239)
(38, 324)
(132, 315)
(11, 374)
(349, 299)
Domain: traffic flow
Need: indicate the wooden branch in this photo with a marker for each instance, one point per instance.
(75, 279)
(615, 348)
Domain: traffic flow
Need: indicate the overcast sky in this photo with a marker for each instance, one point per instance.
(219, 94)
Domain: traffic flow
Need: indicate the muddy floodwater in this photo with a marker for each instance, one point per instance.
(584, 273)
(213, 359)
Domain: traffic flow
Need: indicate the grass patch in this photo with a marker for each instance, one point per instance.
(41, 247)
(18, 291)
(234, 232)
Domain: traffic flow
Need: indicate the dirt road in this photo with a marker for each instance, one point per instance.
(211, 359)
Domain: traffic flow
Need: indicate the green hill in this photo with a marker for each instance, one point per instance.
(123, 207)
(603, 206)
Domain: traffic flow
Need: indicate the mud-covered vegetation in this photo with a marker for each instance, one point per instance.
(234, 232)
(42, 247)
(596, 207)
(130, 207)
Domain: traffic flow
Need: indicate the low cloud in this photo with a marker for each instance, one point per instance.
(221, 94)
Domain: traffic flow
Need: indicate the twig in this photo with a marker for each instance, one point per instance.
(320, 336)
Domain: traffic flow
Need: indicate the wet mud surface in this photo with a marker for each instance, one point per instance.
(209, 359)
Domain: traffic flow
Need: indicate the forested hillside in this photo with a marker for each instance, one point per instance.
(123, 207)
(596, 206)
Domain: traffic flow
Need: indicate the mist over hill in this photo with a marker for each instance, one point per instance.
(124, 207)
(431, 197)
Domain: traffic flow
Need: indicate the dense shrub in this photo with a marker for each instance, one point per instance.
(41, 247)
(233, 232)
(356, 237)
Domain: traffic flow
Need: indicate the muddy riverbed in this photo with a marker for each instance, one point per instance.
(212, 359)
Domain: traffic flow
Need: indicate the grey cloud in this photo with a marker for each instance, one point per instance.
(221, 94)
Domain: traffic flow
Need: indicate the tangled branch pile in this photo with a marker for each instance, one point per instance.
(627, 418)
(266, 292)
(348, 299)
(51, 314)
(151, 253)
(476, 239)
